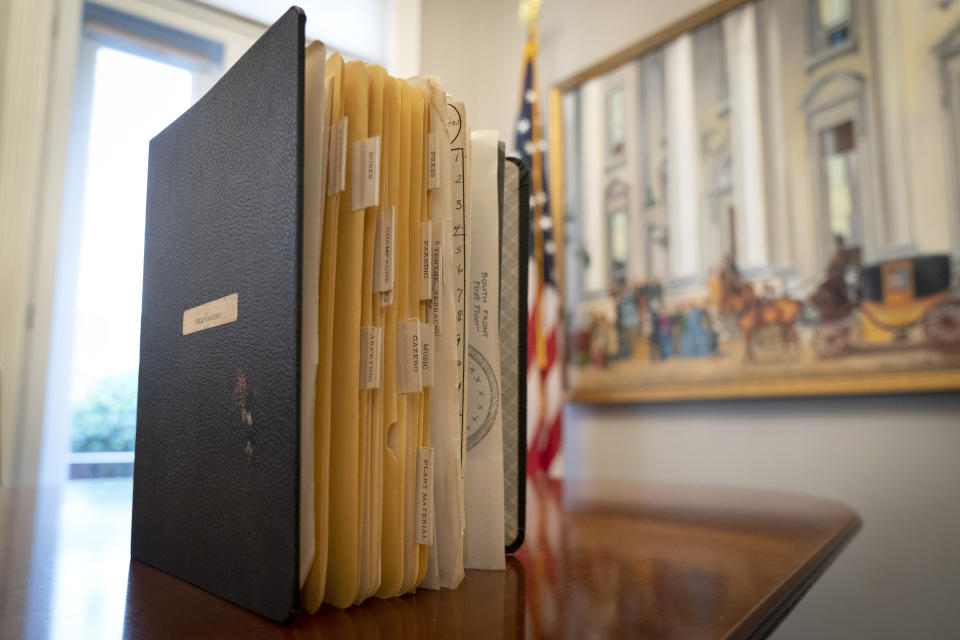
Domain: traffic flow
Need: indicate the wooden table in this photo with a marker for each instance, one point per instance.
(600, 559)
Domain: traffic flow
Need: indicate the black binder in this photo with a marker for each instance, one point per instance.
(217, 473)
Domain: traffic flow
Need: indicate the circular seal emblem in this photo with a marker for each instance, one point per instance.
(484, 398)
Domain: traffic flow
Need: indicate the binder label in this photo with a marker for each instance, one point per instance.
(371, 342)
(384, 260)
(433, 161)
(337, 157)
(210, 314)
(426, 251)
(365, 173)
(426, 354)
(436, 275)
(424, 506)
(409, 379)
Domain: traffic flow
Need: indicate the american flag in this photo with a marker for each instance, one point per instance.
(544, 363)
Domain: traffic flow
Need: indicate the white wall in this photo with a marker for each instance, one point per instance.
(25, 51)
(476, 47)
(893, 459)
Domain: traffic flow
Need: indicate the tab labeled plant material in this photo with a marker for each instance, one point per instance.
(337, 157)
(365, 173)
(424, 506)
(409, 375)
(384, 261)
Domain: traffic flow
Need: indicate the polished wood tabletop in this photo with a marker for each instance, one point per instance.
(601, 559)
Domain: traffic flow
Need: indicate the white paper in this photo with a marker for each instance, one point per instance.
(484, 548)
(450, 465)
(460, 260)
(445, 556)
(317, 106)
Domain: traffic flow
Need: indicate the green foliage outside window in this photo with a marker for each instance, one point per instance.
(106, 419)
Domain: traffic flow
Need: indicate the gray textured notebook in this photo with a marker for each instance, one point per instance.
(514, 252)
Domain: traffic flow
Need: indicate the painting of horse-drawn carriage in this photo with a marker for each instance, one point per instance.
(893, 316)
(783, 215)
(891, 301)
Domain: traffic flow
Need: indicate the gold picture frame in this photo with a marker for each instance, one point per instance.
(841, 39)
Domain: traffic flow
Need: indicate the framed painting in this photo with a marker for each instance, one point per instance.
(747, 208)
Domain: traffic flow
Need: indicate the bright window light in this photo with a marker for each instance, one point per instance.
(134, 98)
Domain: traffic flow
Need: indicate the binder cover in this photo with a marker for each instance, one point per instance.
(217, 473)
(514, 253)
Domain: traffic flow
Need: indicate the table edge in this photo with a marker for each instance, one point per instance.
(766, 616)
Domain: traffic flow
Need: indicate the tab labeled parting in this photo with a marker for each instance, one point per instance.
(426, 253)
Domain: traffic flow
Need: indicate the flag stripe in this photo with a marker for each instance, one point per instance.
(544, 335)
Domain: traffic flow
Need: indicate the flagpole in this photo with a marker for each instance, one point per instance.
(529, 11)
(536, 172)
